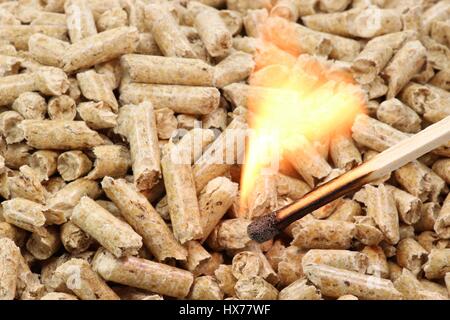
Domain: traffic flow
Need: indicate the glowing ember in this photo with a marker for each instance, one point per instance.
(309, 97)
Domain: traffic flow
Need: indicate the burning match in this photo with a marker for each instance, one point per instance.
(268, 226)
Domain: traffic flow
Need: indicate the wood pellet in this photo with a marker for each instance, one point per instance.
(122, 139)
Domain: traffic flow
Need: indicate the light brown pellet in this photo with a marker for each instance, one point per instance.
(214, 200)
(323, 234)
(356, 22)
(255, 288)
(80, 20)
(140, 214)
(381, 207)
(308, 162)
(334, 282)
(94, 86)
(196, 256)
(74, 239)
(181, 196)
(84, 282)
(59, 296)
(438, 264)
(60, 134)
(346, 210)
(411, 255)
(14, 233)
(24, 214)
(138, 124)
(375, 134)
(31, 105)
(47, 50)
(47, 80)
(342, 259)
(429, 214)
(181, 99)
(344, 153)
(213, 32)
(408, 206)
(399, 116)
(234, 68)
(300, 290)
(441, 80)
(113, 234)
(9, 65)
(9, 265)
(420, 181)
(62, 108)
(100, 48)
(412, 289)
(110, 160)
(10, 126)
(72, 165)
(19, 35)
(143, 274)
(60, 205)
(97, 115)
(226, 279)
(217, 119)
(205, 288)
(111, 19)
(43, 245)
(167, 70)
(409, 59)
(377, 262)
(230, 234)
(167, 33)
(26, 184)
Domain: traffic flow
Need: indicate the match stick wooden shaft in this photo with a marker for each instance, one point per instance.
(389, 160)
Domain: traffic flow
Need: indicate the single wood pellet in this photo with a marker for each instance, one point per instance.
(122, 135)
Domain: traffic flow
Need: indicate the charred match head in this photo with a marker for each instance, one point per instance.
(264, 228)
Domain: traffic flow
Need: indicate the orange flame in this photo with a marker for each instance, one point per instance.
(304, 96)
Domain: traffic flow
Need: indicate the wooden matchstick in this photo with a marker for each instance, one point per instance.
(266, 227)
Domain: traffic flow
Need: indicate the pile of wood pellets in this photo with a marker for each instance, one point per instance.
(97, 95)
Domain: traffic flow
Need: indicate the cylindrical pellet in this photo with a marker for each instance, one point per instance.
(74, 239)
(140, 214)
(101, 47)
(113, 234)
(300, 290)
(9, 268)
(60, 134)
(401, 117)
(80, 20)
(47, 50)
(138, 124)
(438, 264)
(342, 259)
(60, 204)
(213, 32)
(255, 288)
(167, 33)
(181, 196)
(143, 274)
(323, 234)
(110, 160)
(167, 70)
(334, 282)
(24, 214)
(73, 165)
(43, 246)
(181, 99)
(84, 282)
(403, 66)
